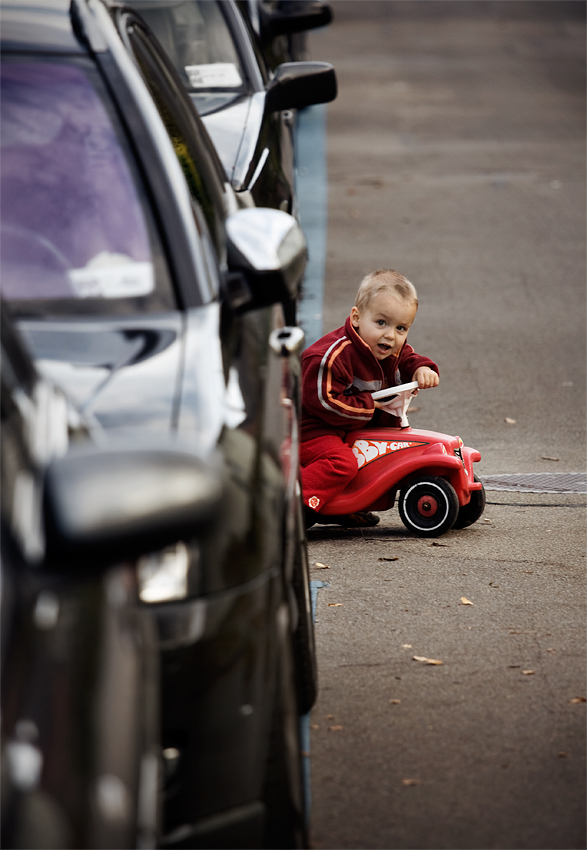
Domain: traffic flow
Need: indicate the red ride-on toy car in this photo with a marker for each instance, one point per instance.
(433, 473)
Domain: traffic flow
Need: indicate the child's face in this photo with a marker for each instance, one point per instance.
(384, 323)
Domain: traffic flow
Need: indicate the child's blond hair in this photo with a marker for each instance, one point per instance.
(385, 280)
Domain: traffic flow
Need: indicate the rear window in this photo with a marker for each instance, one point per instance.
(77, 235)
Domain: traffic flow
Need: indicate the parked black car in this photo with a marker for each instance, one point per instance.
(246, 103)
(81, 760)
(279, 27)
(155, 301)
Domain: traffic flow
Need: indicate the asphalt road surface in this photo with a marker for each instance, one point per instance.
(456, 155)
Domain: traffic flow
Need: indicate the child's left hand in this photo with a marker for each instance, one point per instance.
(426, 378)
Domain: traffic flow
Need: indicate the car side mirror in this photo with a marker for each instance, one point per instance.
(268, 247)
(295, 17)
(299, 84)
(103, 505)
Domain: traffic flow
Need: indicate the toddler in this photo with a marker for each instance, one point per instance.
(339, 373)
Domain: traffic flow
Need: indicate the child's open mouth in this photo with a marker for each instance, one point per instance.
(383, 347)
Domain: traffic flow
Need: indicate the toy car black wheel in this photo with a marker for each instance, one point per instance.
(470, 513)
(428, 506)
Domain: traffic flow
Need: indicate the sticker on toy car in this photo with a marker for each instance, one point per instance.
(366, 451)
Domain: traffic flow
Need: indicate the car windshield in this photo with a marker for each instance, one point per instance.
(73, 227)
(198, 41)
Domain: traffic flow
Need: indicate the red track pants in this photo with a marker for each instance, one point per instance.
(328, 464)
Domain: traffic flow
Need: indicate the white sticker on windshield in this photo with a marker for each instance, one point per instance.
(218, 75)
(112, 276)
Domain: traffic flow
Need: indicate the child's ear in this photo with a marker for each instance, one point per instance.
(355, 317)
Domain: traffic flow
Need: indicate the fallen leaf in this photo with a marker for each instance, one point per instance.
(486, 520)
(427, 660)
(320, 566)
(551, 649)
(388, 559)
(398, 701)
(335, 604)
(528, 672)
(406, 645)
(335, 728)
(563, 755)
(466, 601)
(514, 666)
(446, 545)
(330, 716)
(576, 700)
(410, 782)
(493, 584)
(546, 457)
(510, 421)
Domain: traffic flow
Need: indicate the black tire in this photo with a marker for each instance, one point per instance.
(304, 639)
(428, 506)
(283, 792)
(470, 513)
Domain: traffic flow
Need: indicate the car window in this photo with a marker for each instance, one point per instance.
(244, 8)
(196, 37)
(77, 234)
(195, 153)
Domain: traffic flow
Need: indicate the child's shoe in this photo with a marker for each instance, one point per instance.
(360, 519)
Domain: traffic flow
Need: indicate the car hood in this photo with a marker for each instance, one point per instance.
(235, 131)
(129, 375)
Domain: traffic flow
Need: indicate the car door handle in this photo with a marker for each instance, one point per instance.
(287, 341)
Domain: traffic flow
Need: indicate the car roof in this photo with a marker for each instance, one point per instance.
(34, 25)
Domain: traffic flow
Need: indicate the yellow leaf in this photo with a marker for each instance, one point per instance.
(410, 781)
(510, 421)
(528, 672)
(395, 701)
(466, 601)
(335, 604)
(320, 566)
(576, 700)
(427, 660)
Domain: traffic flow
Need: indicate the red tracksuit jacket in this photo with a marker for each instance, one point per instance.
(339, 373)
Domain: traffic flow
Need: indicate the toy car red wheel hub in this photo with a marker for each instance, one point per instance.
(427, 505)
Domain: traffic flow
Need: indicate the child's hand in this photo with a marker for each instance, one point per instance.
(426, 378)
